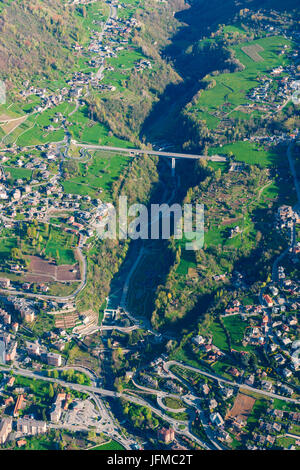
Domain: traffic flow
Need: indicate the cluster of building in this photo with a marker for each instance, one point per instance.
(25, 426)
(24, 307)
(273, 92)
(48, 99)
(60, 404)
(207, 349)
(286, 216)
(36, 351)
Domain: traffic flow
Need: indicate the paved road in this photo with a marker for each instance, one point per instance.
(112, 394)
(193, 400)
(113, 12)
(229, 382)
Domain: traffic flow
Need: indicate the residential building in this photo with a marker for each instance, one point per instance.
(5, 429)
(31, 427)
(166, 435)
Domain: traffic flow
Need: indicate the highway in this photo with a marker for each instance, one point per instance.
(136, 152)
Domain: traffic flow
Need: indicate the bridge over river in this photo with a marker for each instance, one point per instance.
(136, 152)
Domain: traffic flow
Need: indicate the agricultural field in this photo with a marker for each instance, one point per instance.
(242, 407)
(253, 52)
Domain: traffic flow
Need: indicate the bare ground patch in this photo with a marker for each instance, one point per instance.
(10, 126)
(41, 270)
(253, 52)
(242, 407)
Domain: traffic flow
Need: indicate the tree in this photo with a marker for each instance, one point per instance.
(16, 253)
(51, 391)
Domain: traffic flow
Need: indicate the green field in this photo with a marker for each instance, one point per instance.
(232, 88)
(56, 244)
(248, 152)
(85, 130)
(18, 173)
(236, 327)
(112, 445)
(97, 175)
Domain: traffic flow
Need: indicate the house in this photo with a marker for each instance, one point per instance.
(287, 373)
(11, 381)
(265, 320)
(8, 401)
(227, 392)
(128, 375)
(267, 385)
(268, 300)
(240, 422)
(19, 405)
(54, 359)
(216, 419)
(213, 404)
(198, 340)
(21, 442)
(277, 427)
(233, 371)
(250, 380)
(11, 351)
(33, 349)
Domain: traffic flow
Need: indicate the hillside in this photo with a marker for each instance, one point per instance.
(36, 36)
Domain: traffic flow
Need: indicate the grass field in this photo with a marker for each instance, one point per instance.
(56, 244)
(86, 131)
(97, 175)
(173, 403)
(249, 152)
(236, 327)
(112, 445)
(18, 173)
(219, 337)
